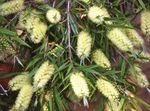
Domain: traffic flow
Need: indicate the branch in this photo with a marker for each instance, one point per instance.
(69, 30)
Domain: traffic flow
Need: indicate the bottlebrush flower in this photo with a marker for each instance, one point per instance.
(30, 20)
(5, 46)
(11, 7)
(145, 24)
(142, 80)
(134, 37)
(100, 59)
(84, 43)
(38, 32)
(79, 84)
(43, 75)
(107, 89)
(97, 14)
(53, 15)
(24, 98)
(19, 81)
(119, 39)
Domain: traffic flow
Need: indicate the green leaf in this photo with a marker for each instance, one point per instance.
(142, 4)
(14, 36)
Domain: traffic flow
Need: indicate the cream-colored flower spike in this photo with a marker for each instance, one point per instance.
(30, 20)
(120, 40)
(19, 81)
(24, 98)
(142, 80)
(84, 42)
(43, 75)
(107, 89)
(38, 32)
(100, 59)
(97, 14)
(145, 24)
(134, 37)
(53, 15)
(11, 7)
(79, 84)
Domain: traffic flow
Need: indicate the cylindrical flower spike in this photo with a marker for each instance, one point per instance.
(6, 47)
(79, 84)
(120, 40)
(145, 24)
(30, 20)
(28, 17)
(38, 32)
(19, 81)
(11, 7)
(134, 37)
(53, 16)
(97, 14)
(24, 98)
(100, 59)
(43, 75)
(84, 43)
(107, 89)
(142, 80)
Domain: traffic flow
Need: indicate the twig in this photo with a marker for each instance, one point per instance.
(12, 19)
(122, 56)
(69, 30)
(54, 4)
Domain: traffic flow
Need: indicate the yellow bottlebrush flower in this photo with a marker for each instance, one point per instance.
(53, 15)
(134, 37)
(84, 43)
(11, 7)
(79, 84)
(145, 24)
(19, 81)
(30, 20)
(142, 80)
(100, 59)
(97, 14)
(43, 74)
(107, 89)
(29, 17)
(24, 98)
(118, 38)
(38, 32)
